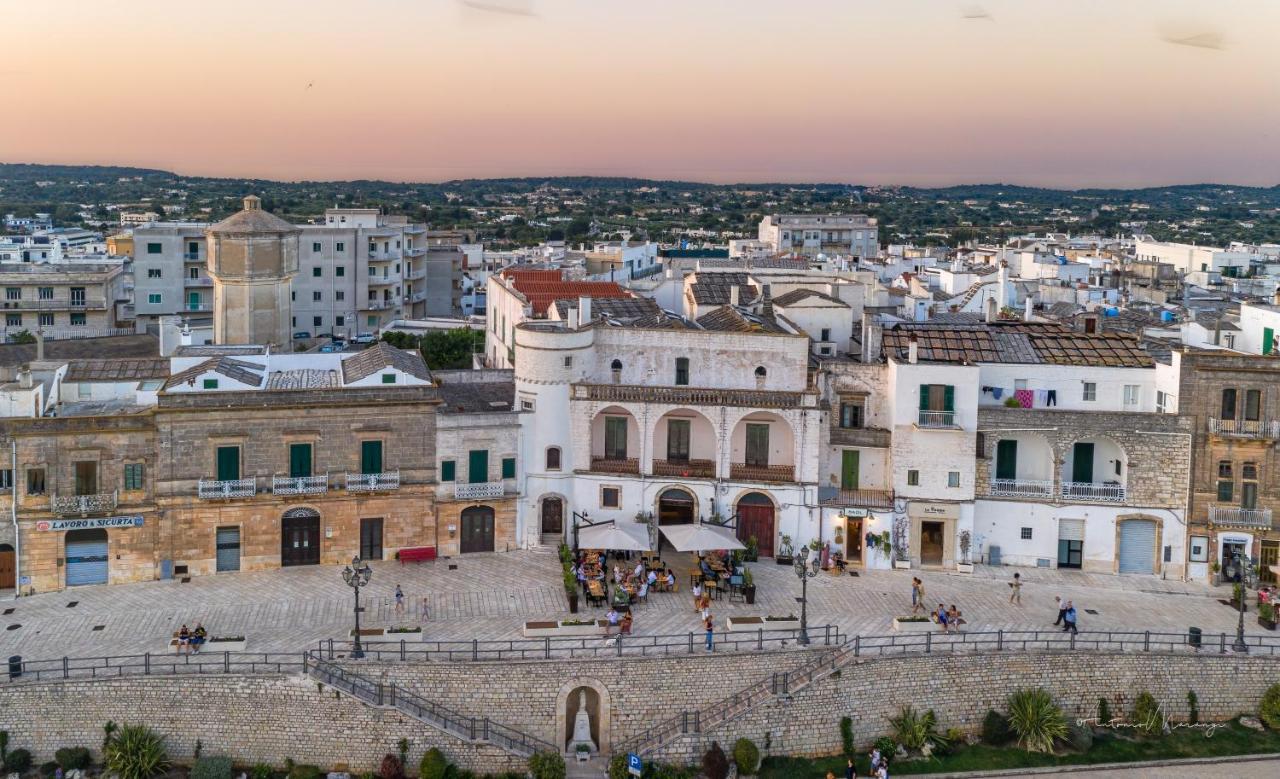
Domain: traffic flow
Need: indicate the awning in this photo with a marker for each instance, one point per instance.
(619, 536)
(699, 536)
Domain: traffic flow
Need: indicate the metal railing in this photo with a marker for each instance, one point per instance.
(373, 482)
(1081, 490)
(99, 503)
(299, 485)
(1245, 428)
(477, 490)
(156, 665)
(1235, 516)
(197, 281)
(937, 418)
(863, 498)
(1021, 487)
(770, 473)
(704, 469)
(226, 489)
(684, 396)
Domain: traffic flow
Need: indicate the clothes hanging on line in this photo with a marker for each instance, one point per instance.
(1052, 399)
(1026, 398)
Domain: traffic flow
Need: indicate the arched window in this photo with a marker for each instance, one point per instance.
(553, 458)
(616, 365)
(761, 372)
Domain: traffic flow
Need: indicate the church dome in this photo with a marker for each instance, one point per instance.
(252, 220)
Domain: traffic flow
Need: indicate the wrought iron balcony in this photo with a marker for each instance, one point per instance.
(857, 498)
(700, 469)
(83, 505)
(226, 489)
(373, 482)
(1030, 488)
(606, 465)
(769, 473)
(1245, 428)
(1234, 516)
(693, 396)
(1106, 493)
(300, 485)
(938, 419)
(477, 490)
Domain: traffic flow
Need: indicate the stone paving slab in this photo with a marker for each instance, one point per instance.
(490, 596)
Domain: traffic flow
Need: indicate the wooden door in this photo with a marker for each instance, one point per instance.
(756, 519)
(552, 516)
(300, 541)
(477, 530)
(849, 470)
(8, 566)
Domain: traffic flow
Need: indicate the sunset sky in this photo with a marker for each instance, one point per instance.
(1081, 93)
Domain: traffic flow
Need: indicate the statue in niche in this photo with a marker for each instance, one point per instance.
(582, 726)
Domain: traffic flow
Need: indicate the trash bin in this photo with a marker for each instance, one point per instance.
(15, 667)
(1193, 637)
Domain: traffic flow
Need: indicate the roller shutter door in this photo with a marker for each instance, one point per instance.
(1137, 546)
(1071, 530)
(86, 557)
(228, 540)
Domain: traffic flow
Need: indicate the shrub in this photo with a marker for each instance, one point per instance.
(1036, 720)
(913, 730)
(1193, 707)
(304, 771)
(391, 768)
(260, 771)
(211, 768)
(73, 758)
(846, 737)
(108, 732)
(1269, 709)
(886, 745)
(747, 756)
(48, 769)
(1147, 716)
(433, 765)
(136, 752)
(618, 767)
(995, 729)
(547, 765)
(1079, 737)
(715, 765)
(1104, 711)
(17, 762)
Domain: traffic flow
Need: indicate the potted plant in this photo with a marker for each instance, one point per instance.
(914, 624)
(571, 588)
(1238, 596)
(873, 540)
(753, 549)
(582, 752)
(1267, 615)
(748, 586)
(965, 566)
(786, 552)
(1216, 570)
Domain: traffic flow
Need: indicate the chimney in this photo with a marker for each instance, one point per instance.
(872, 333)
(733, 295)
(185, 333)
(24, 377)
(39, 343)
(1026, 311)
(1001, 280)
(992, 311)
(913, 350)
(573, 318)
(1275, 298)
(584, 311)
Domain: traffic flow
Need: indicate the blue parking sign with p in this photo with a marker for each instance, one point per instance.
(633, 764)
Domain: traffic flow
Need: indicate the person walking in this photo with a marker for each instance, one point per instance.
(709, 625)
(399, 600)
(849, 771)
(697, 595)
(1069, 619)
(917, 596)
(1062, 610)
(1016, 586)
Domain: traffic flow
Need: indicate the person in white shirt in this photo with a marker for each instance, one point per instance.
(653, 577)
(639, 571)
(697, 595)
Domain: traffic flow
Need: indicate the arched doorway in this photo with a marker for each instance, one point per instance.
(756, 518)
(675, 507)
(7, 567)
(86, 557)
(552, 517)
(477, 529)
(300, 537)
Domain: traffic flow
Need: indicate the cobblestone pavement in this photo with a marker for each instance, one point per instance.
(489, 596)
(1247, 769)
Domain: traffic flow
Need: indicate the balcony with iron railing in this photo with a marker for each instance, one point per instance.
(198, 281)
(694, 469)
(1102, 492)
(84, 505)
(1236, 516)
(480, 490)
(300, 485)
(55, 304)
(383, 281)
(226, 489)
(941, 420)
(1020, 488)
(694, 396)
(373, 482)
(377, 305)
(762, 473)
(860, 498)
(192, 257)
(1245, 428)
(415, 251)
(612, 465)
(415, 274)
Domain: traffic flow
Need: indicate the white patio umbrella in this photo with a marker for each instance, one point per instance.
(619, 536)
(700, 536)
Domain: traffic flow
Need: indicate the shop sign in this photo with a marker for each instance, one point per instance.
(934, 510)
(88, 524)
(856, 513)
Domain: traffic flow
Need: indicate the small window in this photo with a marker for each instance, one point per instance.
(13, 293)
(316, 296)
(1090, 391)
(154, 298)
(339, 247)
(448, 470)
(913, 478)
(78, 318)
(6, 480)
(339, 321)
(826, 334)
(526, 405)
(1224, 469)
(339, 270)
(317, 272)
(1249, 471)
(1131, 394)
(1226, 491)
(953, 479)
(46, 320)
(1026, 534)
(761, 372)
(508, 467)
(133, 476)
(154, 273)
(315, 247)
(851, 415)
(155, 248)
(13, 320)
(35, 481)
(610, 497)
(210, 383)
(372, 321)
(682, 371)
(339, 295)
(388, 378)
(553, 458)
(317, 322)
(568, 361)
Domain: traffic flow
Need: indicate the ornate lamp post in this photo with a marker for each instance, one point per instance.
(1242, 566)
(357, 575)
(805, 572)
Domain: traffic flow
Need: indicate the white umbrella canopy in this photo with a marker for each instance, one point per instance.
(699, 536)
(618, 536)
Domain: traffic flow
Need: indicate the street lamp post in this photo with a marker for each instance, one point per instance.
(357, 575)
(1241, 566)
(805, 573)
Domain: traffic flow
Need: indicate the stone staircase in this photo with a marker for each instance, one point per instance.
(682, 734)
(473, 730)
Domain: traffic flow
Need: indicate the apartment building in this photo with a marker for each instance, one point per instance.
(357, 271)
(1190, 258)
(855, 235)
(64, 300)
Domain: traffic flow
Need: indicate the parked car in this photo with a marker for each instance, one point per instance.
(363, 338)
(301, 335)
(329, 348)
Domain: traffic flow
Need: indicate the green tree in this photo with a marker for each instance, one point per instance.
(450, 349)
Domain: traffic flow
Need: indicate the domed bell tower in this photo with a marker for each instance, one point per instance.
(253, 257)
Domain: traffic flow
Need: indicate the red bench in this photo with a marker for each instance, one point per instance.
(416, 554)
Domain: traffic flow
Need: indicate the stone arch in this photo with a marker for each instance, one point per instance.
(542, 507)
(673, 488)
(566, 708)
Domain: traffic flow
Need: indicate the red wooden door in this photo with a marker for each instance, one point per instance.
(7, 566)
(756, 521)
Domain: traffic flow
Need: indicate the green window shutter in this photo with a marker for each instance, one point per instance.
(1006, 459)
(133, 476)
(1268, 340)
(371, 457)
(948, 398)
(448, 470)
(924, 397)
(299, 460)
(478, 466)
(508, 467)
(849, 469)
(228, 462)
(1225, 492)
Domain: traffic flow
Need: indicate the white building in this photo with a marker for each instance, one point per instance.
(832, 234)
(1189, 258)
